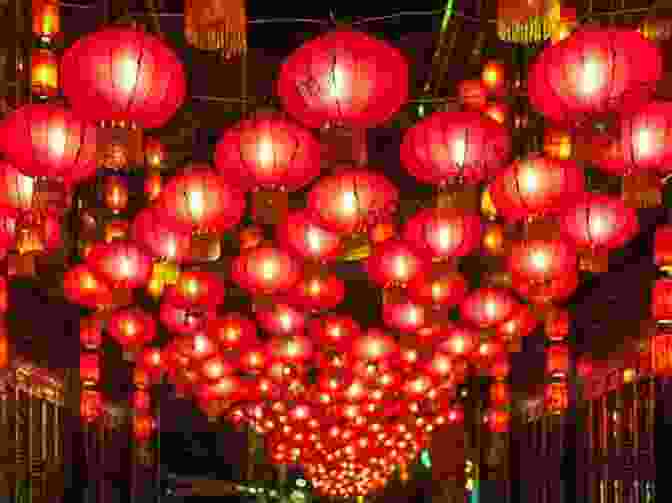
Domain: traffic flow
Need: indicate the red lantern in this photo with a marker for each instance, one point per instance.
(89, 368)
(541, 261)
(498, 421)
(16, 189)
(662, 247)
(521, 324)
(494, 77)
(281, 319)
(185, 320)
(116, 230)
(49, 141)
(499, 394)
(557, 360)
(122, 263)
(123, 74)
(4, 294)
(268, 153)
(461, 341)
(44, 73)
(536, 187)
(557, 325)
(141, 378)
(472, 93)
(498, 112)
(334, 331)
(661, 354)
(152, 360)
(81, 286)
(116, 194)
(91, 405)
(595, 70)
(557, 397)
(155, 152)
(141, 401)
(290, 349)
(455, 146)
(265, 271)
(441, 289)
(346, 78)
(159, 237)
(404, 316)
(199, 199)
(350, 200)
(558, 289)
(661, 301)
(233, 331)
(132, 328)
(394, 262)
(488, 307)
(443, 233)
(318, 293)
(302, 235)
(374, 346)
(153, 186)
(4, 346)
(197, 288)
(143, 428)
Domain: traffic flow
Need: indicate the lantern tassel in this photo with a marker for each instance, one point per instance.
(214, 25)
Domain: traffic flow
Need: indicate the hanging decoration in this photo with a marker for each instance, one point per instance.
(529, 22)
(216, 25)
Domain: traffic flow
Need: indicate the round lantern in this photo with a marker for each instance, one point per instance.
(374, 346)
(132, 328)
(521, 324)
(46, 140)
(141, 401)
(444, 233)
(91, 405)
(44, 73)
(595, 70)
(439, 288)
(91, 332)
(46, 19)
(290, 349)
(121, 263)
(662, 247)
(598, 224)
(281, 319)
(302, 235)
(488, 307)
(197, 288)
(661, 301)
(494, 77)
(155, 152)
(83, 287)
(143, 428)
(318, 293)
(455, 146)
(350, 200)
(265, 271)
(115, 194)
(268, 153)
(161, 239)
(404, 316)
(395, 262)
(16, 189)
(557, 325)
(344, 78)
(89, 368)
(334, 331)
(123, 74)
(541, 261)
(201, 200)
(537, 186)
(185, 320)
(557, 360)
(232, 331)
(558, 289)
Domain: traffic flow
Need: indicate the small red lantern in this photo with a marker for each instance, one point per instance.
(123, 74)
(153, 185)
(557, 397)
(488, 307)
(521, 324)
(318, 293)
(185, 320)
(498, 421)
(201, 200)
(334, 331)
(405, 316)
(494, 77)
(661, 301)
(498, 112)
(541, 261)
(537, 187)
(557, 360)
(16, 190)
(44, 73)
(4, 294)
(141, 401)
(290, 349)
(4, 346)
(374, 346)
(143, 428)
(347, 202)
(346, 78)
(455, 146)
(91, 405)
(116, 194)
(662, 247)
(152, 360)
(461, 341)
(265, 271)
(89, 368)
(132, 328)
(557, 325)
(81, 286)
(395, 262)
(281, 319)
(268, 153)
(444, 233)
(438, 288)
(661, 354)
(155, 152)
(197, 288)
(233, 331)
(558, 289)
(302, 235)
(141, 378)
(163, 240)
(122, 263)
(499, 393)
(473, 94)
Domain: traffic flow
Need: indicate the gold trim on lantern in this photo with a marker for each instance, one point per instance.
(527, 22)
(214, 25)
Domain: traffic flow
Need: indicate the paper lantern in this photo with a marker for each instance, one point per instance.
(318, 293)
(334, 331)
(115, 194)
(301, 234)
(162, 239)
(265, 271)
(155, 152)
(197, 288)
(442, 233)
(233, 331)
(557, 325)
(661, 354)
(43, 73)
(493, 77)
(405, 316)
(395, 262)
(81, 286)
(439, 288)
(663, 247)
(488, 307)
(143, 428)
(540, 261)
(557, 397)
(123, 74)
(343, 78)
(645, 139)
(185, 320)
(89, 368)
(458, 147)
(281, 319)
(141, 401)
(374, 346)
(498, 421)
(661, 301)
(557, 359)
(132, 328)
(4, 346)
(122, 263)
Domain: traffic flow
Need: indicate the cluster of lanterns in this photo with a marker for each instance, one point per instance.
(348, 403)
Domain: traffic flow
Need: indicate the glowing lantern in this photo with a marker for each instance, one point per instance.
(656, 27)
(16, 190)
(438, 288)
(352, 199)
(394, 262)
(197, 288)
(200, 200)
(141, 401)
(473, 94)
(498, 421)
(44, 73)
(123, 74)
(663, 247)
(343, 78)
(46, 140)
(458, 147)
(281, 319)
(557, 397)
(290, 349)
(132, 328)
(528, 22)
(598, 224)
(499, 393)
(155, 153)
(382, 231)
(265, 271)
(541, 261)
(89, 368)
(461, 341)
(4, 346)
(334, 331)
(318, 293)
(82, 287)
(404, 316)
(161, 238)
(91, 405)
(595, 70)
(558, 144)
(498, 112)
(661, 301)
(302, 235)
(268, 153)
(374, 346)
(542, 294)
(645, 139)
(46, 19)
(557, 325)
(143, 428)
(521, 324)
(153, 185)
(488, 307)
(494, 77)
(232, 330)
(4, 294)
(152, 360)
(557, 360)
(537, 187)
(116, 194)
(443, 233)
(122, 263)
(661, 354)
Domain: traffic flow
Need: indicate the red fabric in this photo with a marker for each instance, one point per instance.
(541, 261)
(488, 307)
(343, 78)
(395, 262)
(301, 234)
(443, 233)
(161, 239)
(121, 263)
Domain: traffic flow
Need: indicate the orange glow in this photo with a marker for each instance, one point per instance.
(46, 18)
(44, 73)
(116, 194)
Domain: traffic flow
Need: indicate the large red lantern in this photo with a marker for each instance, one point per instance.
(268, 153)
(488, 307)
(123, 74)
(265, 271)
(350, 200)
(455, 146)
(83, 287)
(444, 233)
(132, 328)
(302, 235)
(121, 263)
(162, 240)
(540, 261)
(344, 78)
(46, 140)
(395, 262)
(199, 199)
(281, 319)
(537, 186)
(595, 70)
